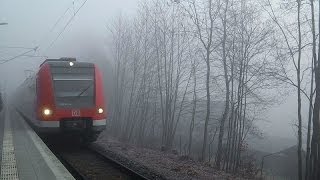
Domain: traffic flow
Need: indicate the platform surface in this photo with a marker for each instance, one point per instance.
(23, 155)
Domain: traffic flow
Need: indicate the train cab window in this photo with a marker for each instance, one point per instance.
(74, 89)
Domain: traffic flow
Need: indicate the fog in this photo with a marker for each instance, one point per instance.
(30, 25)
(38, 29)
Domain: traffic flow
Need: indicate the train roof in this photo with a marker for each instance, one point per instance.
(66, 62)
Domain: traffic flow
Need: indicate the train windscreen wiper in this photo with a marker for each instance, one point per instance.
(83, 91)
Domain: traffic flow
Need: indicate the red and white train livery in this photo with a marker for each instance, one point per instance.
(64, 97)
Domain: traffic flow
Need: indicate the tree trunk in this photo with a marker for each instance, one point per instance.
(315, 142)
(299, 97)
(205, 134)
(227, 95)
(314, 58)
(194, 107)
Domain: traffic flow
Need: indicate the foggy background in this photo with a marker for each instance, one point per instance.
(87, 38)
(30, 25)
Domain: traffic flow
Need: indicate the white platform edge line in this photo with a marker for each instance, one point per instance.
(8, 155)
(53, 163)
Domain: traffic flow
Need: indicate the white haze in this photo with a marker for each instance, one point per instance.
(29, 24)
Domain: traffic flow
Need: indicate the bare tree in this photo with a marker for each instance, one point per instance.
(227, 90)
(121, 38)
(298, 68)
(314, 161)
(247, 45)
(311, 172)
(176, 61)
(203, 19)
(194, 106)
(294, 45)
(170, 43)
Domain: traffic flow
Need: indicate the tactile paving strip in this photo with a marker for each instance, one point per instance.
(8, 164)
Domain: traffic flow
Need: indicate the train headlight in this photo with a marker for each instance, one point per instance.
(47, 112)
(100, 110)
(71, 63)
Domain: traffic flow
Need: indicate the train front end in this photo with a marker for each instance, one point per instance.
(70, 99)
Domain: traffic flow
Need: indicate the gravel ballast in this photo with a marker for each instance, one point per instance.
(157, 164)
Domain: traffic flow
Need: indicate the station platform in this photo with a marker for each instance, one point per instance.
(23, 155)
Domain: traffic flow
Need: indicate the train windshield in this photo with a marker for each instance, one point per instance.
(74, 89)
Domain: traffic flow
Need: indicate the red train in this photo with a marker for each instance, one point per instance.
(64, 97)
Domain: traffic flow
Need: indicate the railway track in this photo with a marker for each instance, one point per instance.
(89, 162)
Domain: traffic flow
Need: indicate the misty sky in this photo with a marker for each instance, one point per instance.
(30, 24)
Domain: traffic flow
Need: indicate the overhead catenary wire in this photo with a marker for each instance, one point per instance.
(64, 28)
(15, 47)
(56, 24)
(17, 56)
(35, 56)
(51, 30)
(59, 19)
(39, 45)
